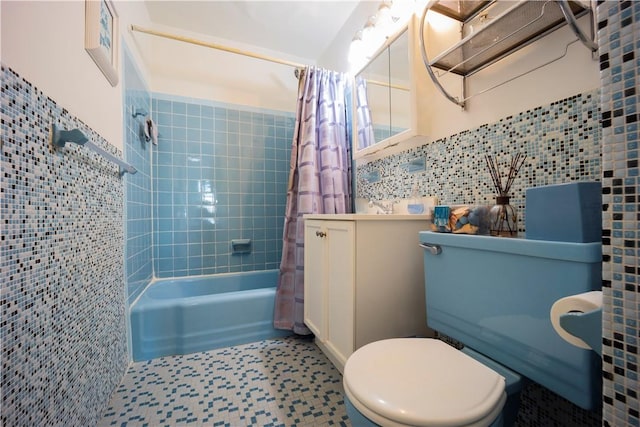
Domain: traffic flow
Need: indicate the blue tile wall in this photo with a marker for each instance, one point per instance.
(561, 141)
(221, 173)
(619, 54)
(138, 189)
(61, 267)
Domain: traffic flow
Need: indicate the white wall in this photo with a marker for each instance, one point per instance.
(335, 57)
(577, 72)
(43, 41)
(181, 69)
(134, 12)
(184, 69)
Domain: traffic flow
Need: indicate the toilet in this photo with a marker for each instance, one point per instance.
(494, 296)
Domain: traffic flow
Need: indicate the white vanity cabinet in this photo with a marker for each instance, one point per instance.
(363, 280)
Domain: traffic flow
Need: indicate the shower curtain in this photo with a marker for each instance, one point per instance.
(364, 120)
(319, 181)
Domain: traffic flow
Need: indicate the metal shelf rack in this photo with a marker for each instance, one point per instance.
(502, 32)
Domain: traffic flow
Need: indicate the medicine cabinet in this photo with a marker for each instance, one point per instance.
(389, 92)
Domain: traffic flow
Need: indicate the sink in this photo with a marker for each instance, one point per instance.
(392, 207)
(369, 217)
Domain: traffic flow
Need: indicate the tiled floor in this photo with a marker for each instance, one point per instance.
(281, 382)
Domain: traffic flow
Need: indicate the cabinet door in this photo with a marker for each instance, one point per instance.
(340, 288)
(314, 279)
(399, 85)
(373, 109)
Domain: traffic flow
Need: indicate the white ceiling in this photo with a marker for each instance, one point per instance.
(302, 28)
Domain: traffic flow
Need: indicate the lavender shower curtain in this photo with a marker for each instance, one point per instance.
(364, 120)
(319, 181)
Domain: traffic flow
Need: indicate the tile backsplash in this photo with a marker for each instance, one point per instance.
(62, 282)
(561, 141)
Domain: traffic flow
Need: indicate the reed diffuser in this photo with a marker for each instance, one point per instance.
(503, 217)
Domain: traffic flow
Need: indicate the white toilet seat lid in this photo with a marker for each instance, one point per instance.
(420, 382)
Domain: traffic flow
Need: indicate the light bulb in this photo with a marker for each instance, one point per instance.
(372, 37)
(368, 32)
(356, 50)
(385, 22)
(390, 16)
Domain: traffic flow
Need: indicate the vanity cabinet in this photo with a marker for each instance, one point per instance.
(363, 280)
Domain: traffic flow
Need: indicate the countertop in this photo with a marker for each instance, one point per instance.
(368, 217)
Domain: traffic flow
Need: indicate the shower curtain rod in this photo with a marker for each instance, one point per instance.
(385, 84)
(215, 46)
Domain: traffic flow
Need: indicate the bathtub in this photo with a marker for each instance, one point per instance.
(187, 315)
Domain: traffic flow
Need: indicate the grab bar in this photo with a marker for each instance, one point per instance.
(59, 137)
(434, 249)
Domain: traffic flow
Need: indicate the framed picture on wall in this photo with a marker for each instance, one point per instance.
(101, 37)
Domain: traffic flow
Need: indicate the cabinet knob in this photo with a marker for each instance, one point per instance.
(321, 233)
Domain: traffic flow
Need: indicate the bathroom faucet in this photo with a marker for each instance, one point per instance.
(382, 207)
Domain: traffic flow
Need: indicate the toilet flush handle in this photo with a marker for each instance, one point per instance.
(434, 249)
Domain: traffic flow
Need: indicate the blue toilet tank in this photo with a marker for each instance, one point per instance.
(494, 295)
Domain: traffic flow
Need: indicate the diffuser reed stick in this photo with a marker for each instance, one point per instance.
(503, 216)
(494, 169)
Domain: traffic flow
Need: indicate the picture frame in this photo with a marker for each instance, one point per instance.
(101, 38)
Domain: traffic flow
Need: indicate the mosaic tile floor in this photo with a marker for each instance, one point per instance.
(282, 382)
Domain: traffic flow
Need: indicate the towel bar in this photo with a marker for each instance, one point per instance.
(59, 137)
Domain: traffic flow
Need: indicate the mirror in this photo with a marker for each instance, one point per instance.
(373, 116)
(399, 84)
(383, 94)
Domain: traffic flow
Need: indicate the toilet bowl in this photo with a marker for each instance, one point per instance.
(497, 305)
(423, 382)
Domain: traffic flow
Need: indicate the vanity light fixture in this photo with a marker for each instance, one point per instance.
(356, 49)
(385, 19)
(372, 37)
(391, 15)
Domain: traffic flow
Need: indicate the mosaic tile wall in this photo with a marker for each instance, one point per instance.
(619, 43)
(62, 282)
(138, 189)
(221, 173)
(561, 141)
